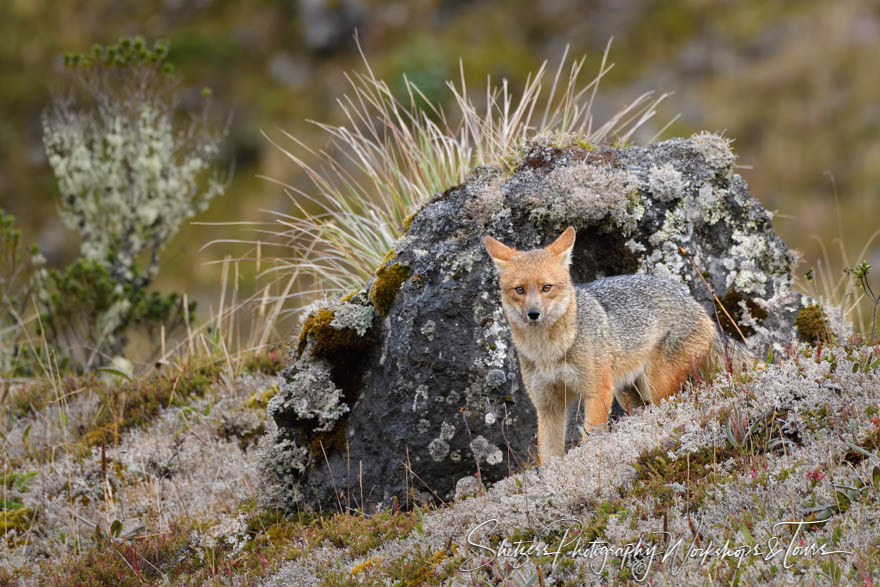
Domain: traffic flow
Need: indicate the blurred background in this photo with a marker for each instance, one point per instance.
(795, 84)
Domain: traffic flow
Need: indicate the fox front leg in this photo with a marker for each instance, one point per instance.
(551, 429)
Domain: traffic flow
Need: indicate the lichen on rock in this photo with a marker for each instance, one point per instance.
(666, 182)
(311, 395)
(354, 317)
(589, 192)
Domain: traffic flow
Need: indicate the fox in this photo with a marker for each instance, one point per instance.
(636, 338)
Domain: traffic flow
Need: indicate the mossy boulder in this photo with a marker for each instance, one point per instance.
(395, 393)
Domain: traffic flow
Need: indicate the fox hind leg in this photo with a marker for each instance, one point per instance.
(598, 402)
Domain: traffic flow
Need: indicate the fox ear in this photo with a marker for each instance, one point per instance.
(561, 247)
(499, 252)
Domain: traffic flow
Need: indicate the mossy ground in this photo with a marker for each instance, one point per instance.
(266, 538)
(329, 340)
(812, 324)
(121, 405)
(181, 551)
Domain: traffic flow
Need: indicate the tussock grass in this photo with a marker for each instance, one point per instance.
(394, 152)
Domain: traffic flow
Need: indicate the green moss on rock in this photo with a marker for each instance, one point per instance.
(386, 259)
(329, 339)
(811, 324)
(349, 296)
(388, 281)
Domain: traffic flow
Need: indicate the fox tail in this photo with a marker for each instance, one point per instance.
(727, 355)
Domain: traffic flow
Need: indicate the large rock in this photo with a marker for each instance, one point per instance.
(399, 391)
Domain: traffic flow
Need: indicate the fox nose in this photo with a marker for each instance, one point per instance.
(534, 314)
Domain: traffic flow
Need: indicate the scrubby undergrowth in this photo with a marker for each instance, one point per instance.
(110, 463)
(727, 461)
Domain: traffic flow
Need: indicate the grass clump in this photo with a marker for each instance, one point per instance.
(152, 559)
(655, 472)
(136, 403)
(193, 552)
(119, 405)
(404, 151)
(384, 290)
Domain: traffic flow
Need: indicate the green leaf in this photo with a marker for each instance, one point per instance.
(842, 500)
(857, 448)
(749, 540)
(875, 473)
(113, 371)
(730, 437)
(24, 437)
(116, 528)
(24, 479)
(11, 505)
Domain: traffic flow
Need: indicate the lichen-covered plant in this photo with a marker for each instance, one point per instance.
(128, 174)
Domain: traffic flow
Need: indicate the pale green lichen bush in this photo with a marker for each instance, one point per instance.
(128, 174)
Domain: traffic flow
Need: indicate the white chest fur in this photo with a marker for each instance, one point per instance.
(543, 378)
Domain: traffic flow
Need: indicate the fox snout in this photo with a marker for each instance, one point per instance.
(531, 305)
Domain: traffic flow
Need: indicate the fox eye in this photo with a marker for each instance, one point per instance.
(520, 289)
(546, 287)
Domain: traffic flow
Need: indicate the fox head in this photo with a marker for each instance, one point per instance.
(536, 285)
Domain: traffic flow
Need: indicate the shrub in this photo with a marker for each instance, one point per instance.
(128, 174)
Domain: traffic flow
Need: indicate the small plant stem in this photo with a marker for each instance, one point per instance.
(686, 254)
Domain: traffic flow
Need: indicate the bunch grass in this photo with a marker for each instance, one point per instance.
(393, 153)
